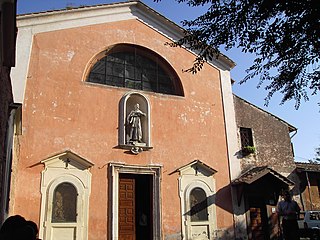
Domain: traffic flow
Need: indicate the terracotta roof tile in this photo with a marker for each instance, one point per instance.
(256, 173)
(309, 167)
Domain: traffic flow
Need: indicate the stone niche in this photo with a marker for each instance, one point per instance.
(134, 122)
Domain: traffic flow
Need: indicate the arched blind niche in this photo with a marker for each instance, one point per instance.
(64, 204)
(135, 67)
(198, 205)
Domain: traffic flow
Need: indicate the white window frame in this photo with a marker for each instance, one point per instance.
(197, 175)
(71, 168)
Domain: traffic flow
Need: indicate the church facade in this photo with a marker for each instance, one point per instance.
(116, 141)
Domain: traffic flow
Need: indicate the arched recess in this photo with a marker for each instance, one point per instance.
(72, 171)
(129, 115)
(197, 176)
(195, 224)
(135, 67)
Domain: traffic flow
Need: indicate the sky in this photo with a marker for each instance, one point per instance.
(306, 119)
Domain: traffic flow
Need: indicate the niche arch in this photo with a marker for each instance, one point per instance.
(128, 107)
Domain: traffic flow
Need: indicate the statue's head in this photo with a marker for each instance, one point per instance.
(136, 106)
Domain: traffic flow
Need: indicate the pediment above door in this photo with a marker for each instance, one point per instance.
(196, 168)
(67, 160)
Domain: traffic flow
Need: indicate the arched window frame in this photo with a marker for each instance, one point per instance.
(146, 53)
(65, 167)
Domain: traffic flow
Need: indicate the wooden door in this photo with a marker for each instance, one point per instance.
(259, 223)
(256, 224)
(127, 225)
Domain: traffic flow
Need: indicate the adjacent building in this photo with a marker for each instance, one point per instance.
(267, 167)
(309, 175)
(7, 106)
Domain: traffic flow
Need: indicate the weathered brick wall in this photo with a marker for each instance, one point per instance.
(270, 136)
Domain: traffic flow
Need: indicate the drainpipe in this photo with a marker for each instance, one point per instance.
(307, 176)
(295, 132)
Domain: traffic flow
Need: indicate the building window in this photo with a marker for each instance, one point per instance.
(198, 205)
(64, 205)
(246, 137)
(135, 67)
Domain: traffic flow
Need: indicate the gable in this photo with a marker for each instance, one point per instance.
(244, 108)
(32, 24)
(196, 168)
(67, 160)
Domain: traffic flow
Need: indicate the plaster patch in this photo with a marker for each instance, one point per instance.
(193, 93)
(58, 140)
(206, 113)
(70, 55)
(183, 117)
(58, 118)
(54, 104)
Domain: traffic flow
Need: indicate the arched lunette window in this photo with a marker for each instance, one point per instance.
(135, 67)
(64, 203)
(198, 205)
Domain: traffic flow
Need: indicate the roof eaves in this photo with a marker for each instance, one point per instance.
(256, 173)
(223, 59)
(75, 9)
(308, 167)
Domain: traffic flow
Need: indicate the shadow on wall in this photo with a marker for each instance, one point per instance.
(222, 198)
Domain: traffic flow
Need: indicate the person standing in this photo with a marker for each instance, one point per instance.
(289, 210)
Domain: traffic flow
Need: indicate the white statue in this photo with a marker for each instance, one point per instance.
(134, 124)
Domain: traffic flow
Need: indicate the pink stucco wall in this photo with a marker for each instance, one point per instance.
(61, 111)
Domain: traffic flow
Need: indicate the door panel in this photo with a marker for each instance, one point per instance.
(63, 233)
(256, 224)
(259, 223)
(127, 229)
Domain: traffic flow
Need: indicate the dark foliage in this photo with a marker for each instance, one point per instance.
(317, 154)
(283, 35)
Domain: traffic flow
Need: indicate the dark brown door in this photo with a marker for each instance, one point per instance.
(256, 224)
(127, 225)
(259, 223)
